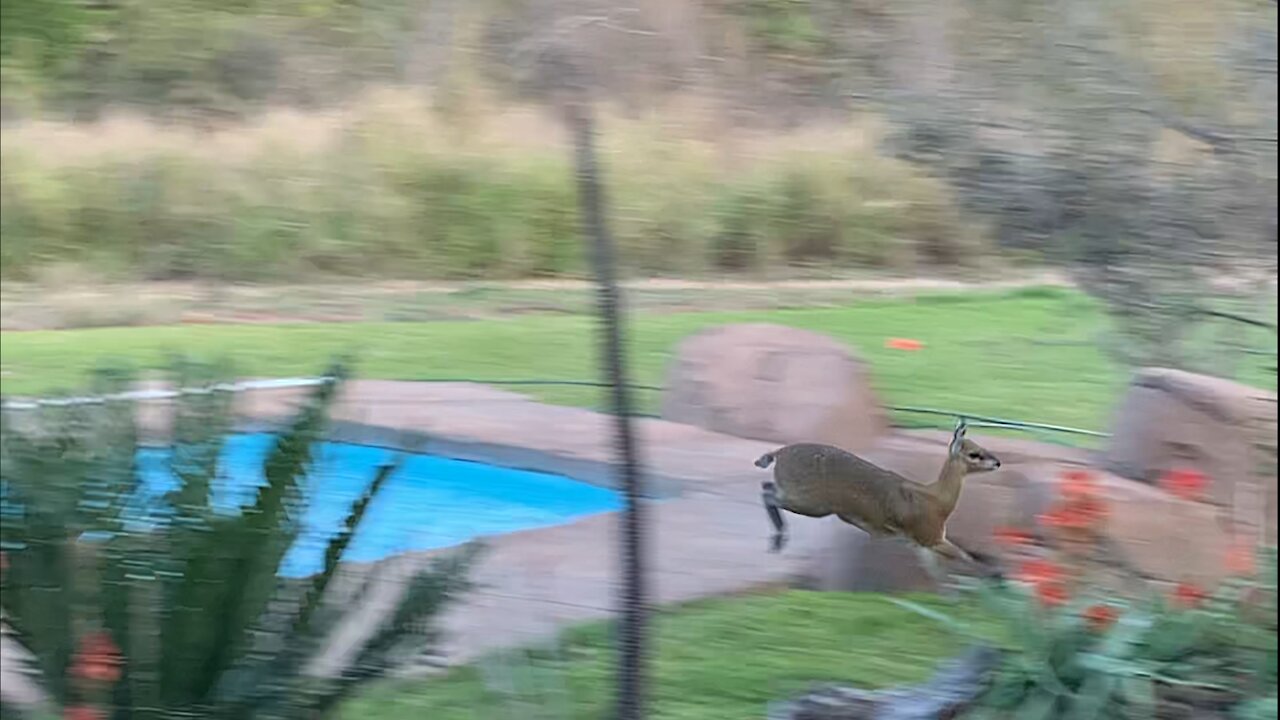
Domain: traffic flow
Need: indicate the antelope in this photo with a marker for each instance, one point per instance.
(817, 480)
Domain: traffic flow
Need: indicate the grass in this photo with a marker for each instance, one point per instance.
(388, 189)
(1023, 354)
(724, 658)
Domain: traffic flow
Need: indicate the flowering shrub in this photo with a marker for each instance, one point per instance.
(1186, 483)
(1085, 650)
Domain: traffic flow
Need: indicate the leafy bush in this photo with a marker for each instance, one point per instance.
(390, 193)
(1086, 647)
(168, 606)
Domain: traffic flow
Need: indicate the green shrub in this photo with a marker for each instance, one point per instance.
(1085, 648)
(390, 194)
(187, 618)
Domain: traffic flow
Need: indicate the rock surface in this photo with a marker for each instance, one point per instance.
(952, 689)
(1171, 418)
(773, 383)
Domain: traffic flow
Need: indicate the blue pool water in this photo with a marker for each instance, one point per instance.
(430, 502)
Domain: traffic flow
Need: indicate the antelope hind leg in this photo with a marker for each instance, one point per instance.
(769, 495)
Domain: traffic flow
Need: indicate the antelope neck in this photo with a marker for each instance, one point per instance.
(947, 487)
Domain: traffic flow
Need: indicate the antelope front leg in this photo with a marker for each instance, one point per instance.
(929, 561)
(986, 564)
(769, 496)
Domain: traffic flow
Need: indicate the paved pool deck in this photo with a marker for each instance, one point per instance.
(708, 534)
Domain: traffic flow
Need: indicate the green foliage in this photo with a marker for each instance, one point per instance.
(718, 658)
(999, 354)
(40, 33)
(785, 26)
(377, 197)
(201, 621)
(1078, 660)
(193, 58)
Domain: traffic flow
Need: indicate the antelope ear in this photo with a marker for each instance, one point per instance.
(958, 437)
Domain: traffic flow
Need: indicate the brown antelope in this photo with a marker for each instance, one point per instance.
(820, 480)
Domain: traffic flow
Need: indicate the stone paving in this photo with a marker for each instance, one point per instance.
(707, 532)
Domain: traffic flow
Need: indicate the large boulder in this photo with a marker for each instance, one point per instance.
(1171, 418)
(773, 383)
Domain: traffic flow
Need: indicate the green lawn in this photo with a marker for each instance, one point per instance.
(1024, 354)
(720, 659)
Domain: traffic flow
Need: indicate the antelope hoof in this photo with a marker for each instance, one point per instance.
(991, 566)
(778, 542)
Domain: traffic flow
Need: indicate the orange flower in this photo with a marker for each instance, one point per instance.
(904, 344)
(1066, 518)
(1188, 595)
(82, 712)
(1240, 558)
(98, 659)
(1185, 483)
(1039, 571)
(1100, 617)
(1078, 483)
(1012, 537)
(1051, 593)
(1092, 507)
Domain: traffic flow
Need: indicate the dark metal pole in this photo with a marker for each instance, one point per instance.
(631, 650)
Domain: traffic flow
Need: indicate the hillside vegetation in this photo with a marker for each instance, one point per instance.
(256, 141)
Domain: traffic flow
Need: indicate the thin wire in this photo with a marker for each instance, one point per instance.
(998, 422)
(985, 420)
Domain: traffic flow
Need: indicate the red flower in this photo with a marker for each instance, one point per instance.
(1039, 571)
(98, 659)
(1240, 559)
(1100, 617)
(1188, 595)
(1093, 510)
(82, 712)
(1078, 483)
(1051, 593)
(1066, 518)
(1082, 507)
(1012, 537)
(1185, 483)
(903, 344)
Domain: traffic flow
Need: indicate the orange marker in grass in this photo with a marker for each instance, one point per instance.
(906, 344)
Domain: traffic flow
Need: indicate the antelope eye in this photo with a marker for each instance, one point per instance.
(973, 456)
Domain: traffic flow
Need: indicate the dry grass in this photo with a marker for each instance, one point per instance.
(395, 186)
(71, 298)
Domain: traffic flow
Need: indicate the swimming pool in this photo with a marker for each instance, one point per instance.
(429, 502)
